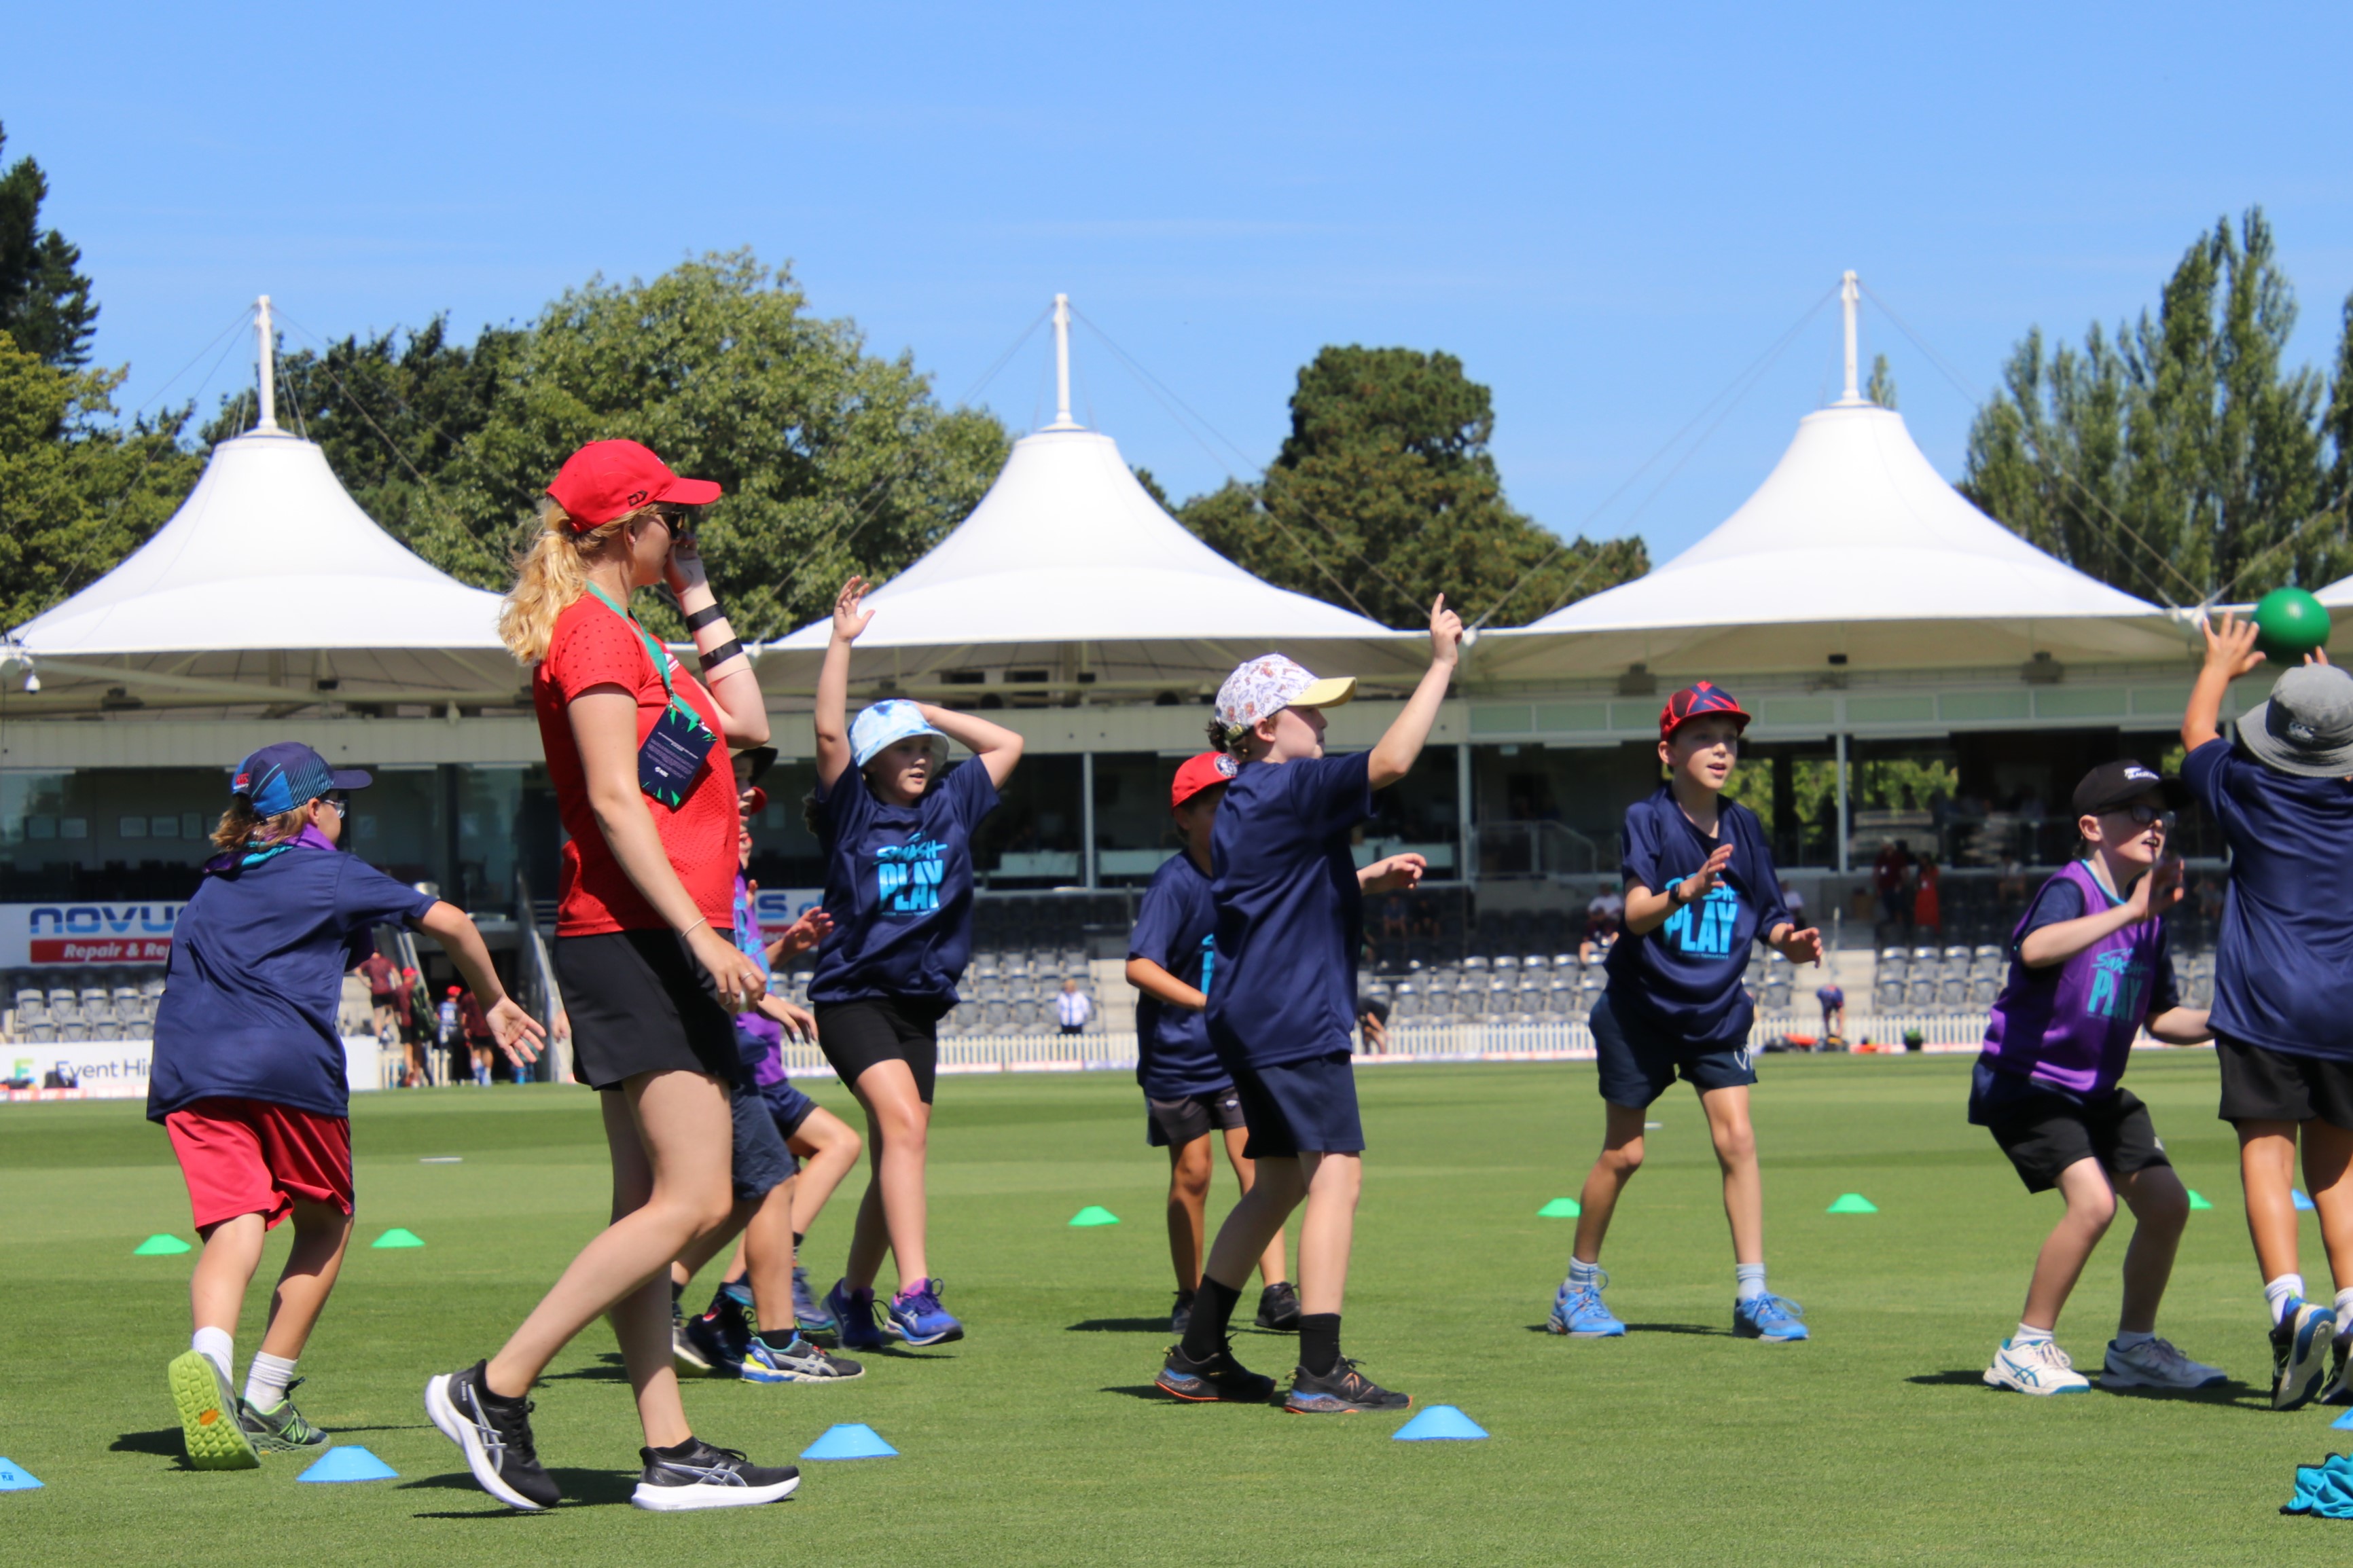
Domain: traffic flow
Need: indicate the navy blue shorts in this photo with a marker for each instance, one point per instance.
(1300, 1108)
(762, 1161)
(1638, 1065)
(788, 1105)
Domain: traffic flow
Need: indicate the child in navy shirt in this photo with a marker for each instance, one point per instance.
(248, 1079)
(1700, 888)
(1282, 1005)
(898, 886)
(2282, 1012)
(1188, 1093)
(2089, 969)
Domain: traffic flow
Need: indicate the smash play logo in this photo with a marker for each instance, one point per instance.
(907, 875)
(1706, 927)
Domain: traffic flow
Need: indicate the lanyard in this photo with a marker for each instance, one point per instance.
(659, 655)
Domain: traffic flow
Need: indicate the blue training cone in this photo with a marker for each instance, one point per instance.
(1437, 1424)
(850, 1440)
(2303, 1204)
(2343, 1423)
(13, 1479)
(349, 1464)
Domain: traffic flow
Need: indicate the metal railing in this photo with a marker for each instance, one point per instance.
(536, 987)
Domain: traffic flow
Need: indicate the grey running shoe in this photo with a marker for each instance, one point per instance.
(705, 1477)
(281, 1428)
(1277, 1307)
(1343, 1392)
(495, 1437)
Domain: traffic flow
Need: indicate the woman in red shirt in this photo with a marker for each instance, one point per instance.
(637, 752)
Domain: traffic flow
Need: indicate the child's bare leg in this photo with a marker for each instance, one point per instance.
(1621, 1157)
(1328, 1229)
(2091, 1205)
(217, 1291)
(891, 1216)
(2160, 1207)
(1274, 1265)
(768, 1257)
(1189, 1199)
(1255, 1221)
(828, 1148)
(322, 1232)
(1735, 1152)
(2327, 1154)
(2267, 1174)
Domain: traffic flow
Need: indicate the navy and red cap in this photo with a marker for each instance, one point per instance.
(1194, 774)
(608, 480)
(1700, 698)
(280, 778)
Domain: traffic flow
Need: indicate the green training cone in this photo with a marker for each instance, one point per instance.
(2289, 624)
(1853, 1202)
(2198, 1200)
(161, 1245)
(1560, 1208)
(396, 1237)
(1094, 1213)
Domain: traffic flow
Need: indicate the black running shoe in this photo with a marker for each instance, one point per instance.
(1220, 1377)
(1180, 1317)
(1345, 1392)
(495, 1435)
(1277, 1307)
(705, 1477)
(2339, 1388)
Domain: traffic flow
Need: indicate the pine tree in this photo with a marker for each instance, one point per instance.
(45, 304)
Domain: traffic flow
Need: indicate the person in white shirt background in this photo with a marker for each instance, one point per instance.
(1072, 1007)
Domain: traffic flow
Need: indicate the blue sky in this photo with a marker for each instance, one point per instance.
(1607, 212)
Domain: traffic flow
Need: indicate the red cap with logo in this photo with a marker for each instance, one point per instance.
(1197, 774)
(1698, 699)
(609, 479)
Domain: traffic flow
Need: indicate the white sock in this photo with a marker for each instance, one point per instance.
(2279, 1292)
(1584, 1276)
(2345, 1312)
(2126, 1338)
(266, 1380)
(2028, 1334)
(1750, 1280)
(218, 1345)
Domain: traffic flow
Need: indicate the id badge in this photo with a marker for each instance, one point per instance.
(673, 753)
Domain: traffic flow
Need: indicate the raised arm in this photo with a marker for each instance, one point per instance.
(850, 617)
(726, 668)
(2153, 895)
(1646, 911)
(993, 746)
(2230, 654)
(1393, 757)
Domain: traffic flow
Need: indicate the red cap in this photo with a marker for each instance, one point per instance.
(1695, 701)
(1197, 774)
(753, 800)
(453, 991)
(609, 479)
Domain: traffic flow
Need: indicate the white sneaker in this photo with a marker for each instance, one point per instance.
(2155, 1363)
(2040, 1367)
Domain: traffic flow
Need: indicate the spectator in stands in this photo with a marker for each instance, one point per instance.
(1373, 1023)
(1928, 904)
(2210, 898)
(1072, 1008)
(1608, 906)
(2011, 887)
(1600, 933)
(412, 1028)
(1794, 901)
(383, 980)
(1887, 874)
(478, 1036)
(1833, 1001)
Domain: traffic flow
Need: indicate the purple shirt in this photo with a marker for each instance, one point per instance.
(759, 1039)
(2070, 1026)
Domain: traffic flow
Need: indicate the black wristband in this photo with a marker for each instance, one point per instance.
(721, 655)
(703, 618)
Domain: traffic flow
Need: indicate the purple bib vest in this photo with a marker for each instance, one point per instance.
(2071, 1027)
(759, 1039)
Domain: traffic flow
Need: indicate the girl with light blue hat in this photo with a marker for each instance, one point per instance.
(897, 834)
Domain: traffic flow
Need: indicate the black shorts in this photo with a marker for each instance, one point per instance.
(2045, 1133)
(1300, 1108)
(1173, 1123)
(854, 1035)
(2260, 1084)
(639, 1003)
(1639, 1064)
(786, 1105)
(762, 1163)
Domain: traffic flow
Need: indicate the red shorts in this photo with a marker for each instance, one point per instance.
(249, 1156)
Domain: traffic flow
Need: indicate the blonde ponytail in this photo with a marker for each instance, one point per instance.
(550, 574)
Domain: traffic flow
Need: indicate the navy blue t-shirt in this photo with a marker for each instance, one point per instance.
(1684, 978)
(1290, 913)
(898, 883)
(257, 979)
(1176, 927)
(2284, 964)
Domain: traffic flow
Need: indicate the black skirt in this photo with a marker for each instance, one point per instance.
(640, 1002)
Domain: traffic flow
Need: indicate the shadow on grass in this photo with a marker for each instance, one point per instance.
(609, 1368)
(1702, 1329)
(164, 1443)
(1150, 1391)
(581, 1489)
(1120, 1326)
(2232, 1394)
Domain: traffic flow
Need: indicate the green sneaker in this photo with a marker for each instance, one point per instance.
(209, 1428)
(281, 1429)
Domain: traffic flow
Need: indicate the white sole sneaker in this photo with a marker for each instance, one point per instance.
(458, 1429)
(2033, 1378)
(687, 1500)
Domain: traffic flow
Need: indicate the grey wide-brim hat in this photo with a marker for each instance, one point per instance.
(2306, 727)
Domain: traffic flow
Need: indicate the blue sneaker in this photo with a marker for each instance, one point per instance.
(1775, 1320)
(1577, 1313)
(809, 1314)
(799, 1361)
(853, 1316)
(916, 1316)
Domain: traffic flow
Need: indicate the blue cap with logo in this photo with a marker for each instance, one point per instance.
(288, 774)
(884, 724)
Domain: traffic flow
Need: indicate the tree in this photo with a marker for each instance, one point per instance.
(1385, 494)
(78, 490)
(1882, 389)
(2178, 460)
(44, 302)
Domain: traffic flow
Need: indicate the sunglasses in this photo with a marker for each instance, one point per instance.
(2143, 814)
(678, 520)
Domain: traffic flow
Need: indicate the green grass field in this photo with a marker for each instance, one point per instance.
(1037, 1438)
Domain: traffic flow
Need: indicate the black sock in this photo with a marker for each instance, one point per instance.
(799, 1236)
(676, 1290)
(778, 1339)
(1213, 1308)
(1319, 1342)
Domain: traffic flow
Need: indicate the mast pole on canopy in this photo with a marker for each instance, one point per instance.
(1062, 420)
(1848, 294)
(267, 362)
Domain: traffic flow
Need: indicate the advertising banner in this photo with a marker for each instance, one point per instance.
(780, 907)
(69, 935)
(117, 1069)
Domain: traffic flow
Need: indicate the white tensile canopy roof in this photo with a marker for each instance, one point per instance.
(269, 581)
(1068, 568)
(1852, 545)
(2337, 595)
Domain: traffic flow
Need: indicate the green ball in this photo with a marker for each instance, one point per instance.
(2289, 624)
